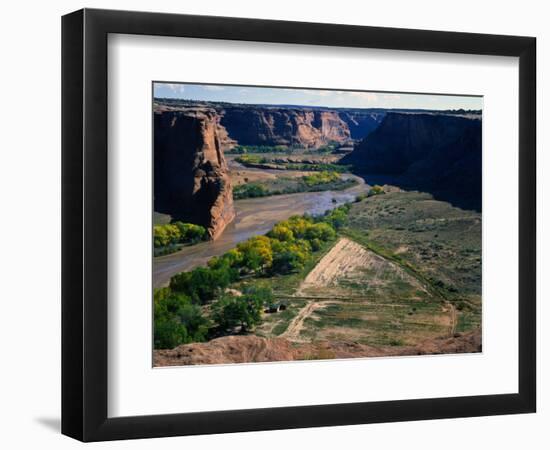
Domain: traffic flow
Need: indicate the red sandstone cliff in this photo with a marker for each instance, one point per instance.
(284, 126)
(191, 176)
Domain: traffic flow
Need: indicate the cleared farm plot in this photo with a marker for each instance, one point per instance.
(355, 295)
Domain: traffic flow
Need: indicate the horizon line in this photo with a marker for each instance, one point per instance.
(330, 98)
(290, 105)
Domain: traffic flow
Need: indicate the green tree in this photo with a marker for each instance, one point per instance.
(298, 225)
(338, 217)
(316, 244)
(256, 253)
(244, 311)
(202, 284)
(281, 232)
(165, 235)
(190, 232)
(322, 231)
(160, 236)
(169, 333)
(232, 259)
(290, 256)
(177, 320)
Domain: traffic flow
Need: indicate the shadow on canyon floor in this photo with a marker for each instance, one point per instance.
(470, 200)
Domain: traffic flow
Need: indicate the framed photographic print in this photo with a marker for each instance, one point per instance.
(273, 224)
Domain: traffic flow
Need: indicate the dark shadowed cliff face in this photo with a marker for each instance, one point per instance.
(361, 122)
(284, 126)
(191, 176)
(435, 152)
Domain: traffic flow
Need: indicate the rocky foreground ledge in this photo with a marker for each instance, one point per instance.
(247, 349)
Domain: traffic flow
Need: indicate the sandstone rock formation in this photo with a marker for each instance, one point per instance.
(305, 126)
(284, 126)
(440, 153)
(191, 180)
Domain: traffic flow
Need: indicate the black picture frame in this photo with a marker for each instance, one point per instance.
(84, 224)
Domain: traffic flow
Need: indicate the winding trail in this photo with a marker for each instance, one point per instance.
(296, 326)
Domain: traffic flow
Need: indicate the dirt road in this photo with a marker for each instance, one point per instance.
(344, 257)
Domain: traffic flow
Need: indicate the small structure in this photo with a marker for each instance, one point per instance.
(275, 307)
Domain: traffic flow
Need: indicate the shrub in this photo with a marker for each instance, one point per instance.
(165, 234)
(242, 149)
(178, 232)
(251, 190)
(376, 190)
(324, 177)
(191, 233)
(338, 217)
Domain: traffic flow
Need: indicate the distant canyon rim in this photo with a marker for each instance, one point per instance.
(438, 152)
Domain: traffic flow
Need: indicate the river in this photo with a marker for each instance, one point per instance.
(252, 217)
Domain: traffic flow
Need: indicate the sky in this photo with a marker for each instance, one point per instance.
(313, 97)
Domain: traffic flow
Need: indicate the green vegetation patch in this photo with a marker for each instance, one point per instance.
(246, 149)
(438, 244)
(432, 239)
(170, 237)
(264, 162)
(286, 250)
(318, 181)
(378, 323)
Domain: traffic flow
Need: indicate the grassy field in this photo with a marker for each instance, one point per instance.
(415, 275)
(441, 243)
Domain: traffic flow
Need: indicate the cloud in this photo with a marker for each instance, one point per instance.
(176, 88)
(317, 92)
(391, 96)
(366, 96)
(213, 88)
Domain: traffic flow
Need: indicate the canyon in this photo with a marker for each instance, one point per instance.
(399, 275)
(304, 126)
(192, 181)
(439, 153)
